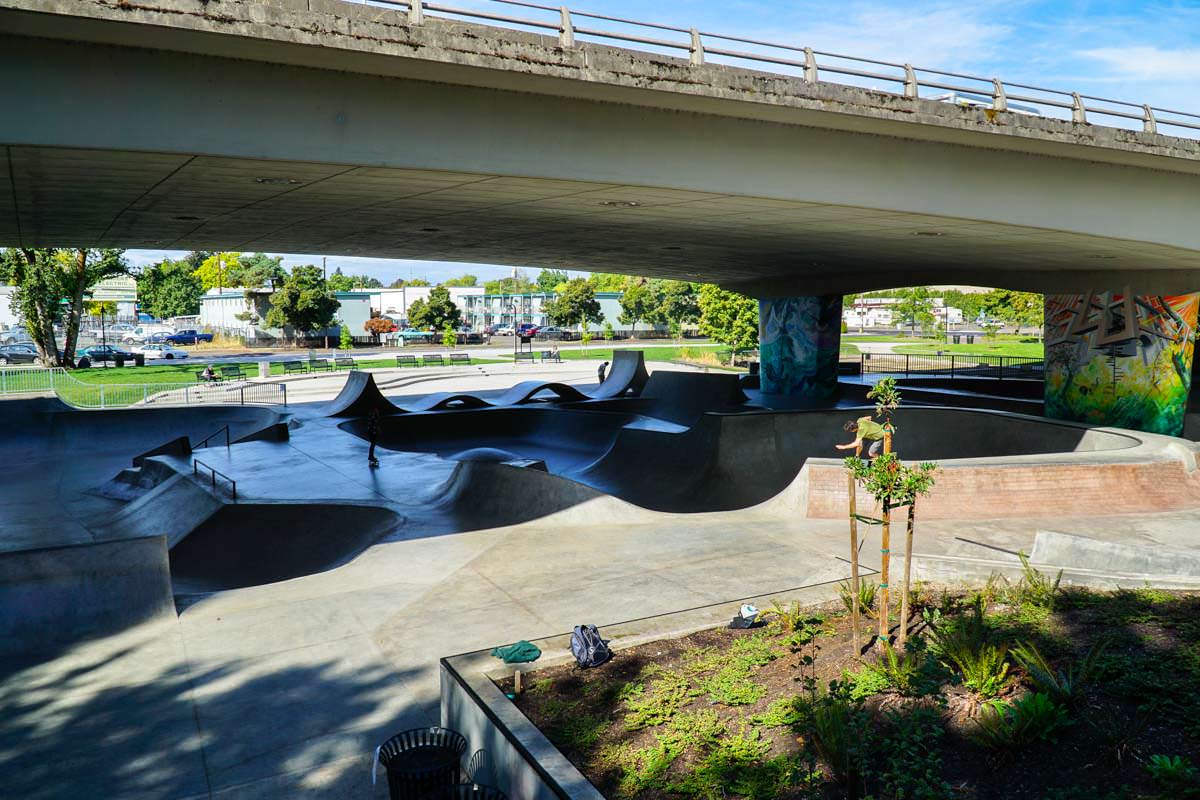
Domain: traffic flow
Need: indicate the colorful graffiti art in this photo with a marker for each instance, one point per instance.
(1120, 359)
(798, 345)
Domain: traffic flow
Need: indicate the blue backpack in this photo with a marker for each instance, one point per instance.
(588, 648)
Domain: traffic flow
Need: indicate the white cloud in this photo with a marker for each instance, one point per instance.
(1147, 62)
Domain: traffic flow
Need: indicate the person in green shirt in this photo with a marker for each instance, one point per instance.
(865, 429)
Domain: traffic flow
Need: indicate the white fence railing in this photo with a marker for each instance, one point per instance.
(88, 395)
(700, 47)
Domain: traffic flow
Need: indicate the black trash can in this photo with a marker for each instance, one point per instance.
(119, 360)
(970, 339)
(957, 338)
(422, 762)
(139, 359)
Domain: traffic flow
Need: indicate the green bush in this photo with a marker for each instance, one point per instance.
(901, 669)
(1012, 726)
(866, 596)
(345, 340)
(1175, 774)
(1064, 686)
(909, 766)
(840, 732)
(962, 644)
(1036, 589)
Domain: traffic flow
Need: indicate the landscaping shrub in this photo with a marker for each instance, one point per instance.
(1012, 726)
(1063, 686)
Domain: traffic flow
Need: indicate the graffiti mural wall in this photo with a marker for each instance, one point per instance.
(798, 345)
(1120, 359)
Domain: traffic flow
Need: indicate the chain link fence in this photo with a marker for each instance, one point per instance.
(87, 395)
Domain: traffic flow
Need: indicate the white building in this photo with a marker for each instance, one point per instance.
(395, 302)
(878, 312)
(231, 311)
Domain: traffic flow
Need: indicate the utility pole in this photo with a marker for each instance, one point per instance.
(324, 259)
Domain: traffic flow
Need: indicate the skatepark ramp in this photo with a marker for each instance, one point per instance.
(250, 545)
(627, 375)
(359, 396)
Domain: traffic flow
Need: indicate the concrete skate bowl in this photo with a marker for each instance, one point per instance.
(251, 545)
(562, 438)
(732, 461)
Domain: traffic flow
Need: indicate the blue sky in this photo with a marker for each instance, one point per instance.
(1136, 52)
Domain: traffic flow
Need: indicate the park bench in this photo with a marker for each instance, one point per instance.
(431, 360)
(524, 355)
(345, 361)
(201, 379)
(406, 361)
(293, 366)
(232, 373)
(319, 365)
(460, 358)
(551, 355)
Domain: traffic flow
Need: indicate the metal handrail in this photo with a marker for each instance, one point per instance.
(196, 463)
(910, 78)
(204, 442)
(951, 364)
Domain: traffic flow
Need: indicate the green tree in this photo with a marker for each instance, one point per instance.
(195, 258)
(915, 308)
(257, 271)
(466, 279)
(678, 304)
(303, 302)
(170, 289)
(608, 281)
(574, 305)
(728, 318)
(517, 285)
(217, 271)
(436, 313)
(1019, 309)
(416, 282)
(608, 331)
(50, 286)
(449, 337)
(339, 282)
(548, 280)
(639, 301)
(345, 338)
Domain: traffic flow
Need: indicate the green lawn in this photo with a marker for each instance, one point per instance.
(184, 372)
(1028, 349)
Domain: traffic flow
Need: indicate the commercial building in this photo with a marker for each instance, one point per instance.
(395, 303)
(879, 312)
(243, 312)
(483, 310)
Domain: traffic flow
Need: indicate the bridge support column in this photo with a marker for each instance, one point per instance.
(1120, 359)
(799, 339)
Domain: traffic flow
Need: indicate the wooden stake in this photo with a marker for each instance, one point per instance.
(517, 682)
(885, 557)
(854, 583)
(912, 515)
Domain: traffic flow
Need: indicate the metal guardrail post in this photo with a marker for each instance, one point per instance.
(910, 81)
(1001, 367)
(102, 395)
(1078, 109)
(811, 73)
(415, 17)
(1149, 124)
(566, 30)
(999, 97)
(284, 387)
(906, 365)
(242, 394)
(696, 53)
(952, 367)
(4, 381)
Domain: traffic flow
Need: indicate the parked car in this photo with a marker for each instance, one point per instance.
(120, 327)
(527, 329)
(503, 330)
(17, 354)
(188, 336)
(14, 336)
(98, 353)
(156, 351)
(551, 332)
(144, 333)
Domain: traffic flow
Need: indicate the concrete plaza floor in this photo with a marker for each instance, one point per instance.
(284, 689)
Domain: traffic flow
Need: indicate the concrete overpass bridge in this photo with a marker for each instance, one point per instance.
(327, 127)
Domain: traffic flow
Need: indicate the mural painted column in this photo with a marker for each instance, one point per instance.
(798, 345)
(1120, 359)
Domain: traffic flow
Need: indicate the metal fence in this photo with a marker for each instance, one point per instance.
(952, 366)
(700, 47)
(83, 394)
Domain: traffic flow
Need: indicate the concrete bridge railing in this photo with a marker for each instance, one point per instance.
(989, 94)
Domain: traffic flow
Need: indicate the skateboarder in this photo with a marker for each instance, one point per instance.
(865, 429)
(601, 370)
(372, 436)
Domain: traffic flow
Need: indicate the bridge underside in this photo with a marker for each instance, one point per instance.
(111, 198)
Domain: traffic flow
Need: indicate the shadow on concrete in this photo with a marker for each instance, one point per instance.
(123, 720)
